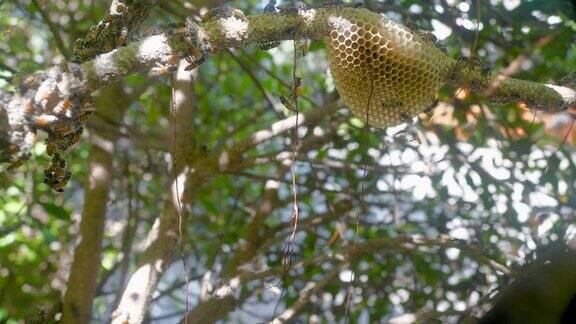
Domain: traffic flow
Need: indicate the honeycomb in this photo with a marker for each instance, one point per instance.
(383, 71)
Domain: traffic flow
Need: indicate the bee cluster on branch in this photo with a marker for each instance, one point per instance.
(112, 31)
(61, 115)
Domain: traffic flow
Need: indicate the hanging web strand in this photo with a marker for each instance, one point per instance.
(178, 202)
(287, 252)
(362, 208)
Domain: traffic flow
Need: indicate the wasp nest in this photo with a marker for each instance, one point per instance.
(383, 71)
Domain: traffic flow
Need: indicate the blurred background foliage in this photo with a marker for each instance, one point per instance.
(498, 179)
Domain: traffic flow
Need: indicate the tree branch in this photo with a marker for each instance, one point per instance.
(163, 237)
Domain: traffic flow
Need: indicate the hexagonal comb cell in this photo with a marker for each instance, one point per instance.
(375, 59)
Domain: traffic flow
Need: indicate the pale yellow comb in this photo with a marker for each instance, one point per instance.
(405, 70)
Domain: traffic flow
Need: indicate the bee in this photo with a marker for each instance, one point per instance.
(428, 35)
(57, 176)
(410, 128)
(296, 88)
(191, 27)
(238, 14)
(568, 80)
(108, 19)
(196, 59)
(44, 120)
(288, 103)
(93, 33)
(87, 107)
(29, 107)
(82, 51)
(120, 40)
(62, 107)
(422, 33)
(120, 7)
(58, 182)
(163, 69)
(71, 139)
(332, 3)
(106, 47)
(474, 63)
(303, 47)
(8, 31)
(194, 63)
(223, 11)
(292, 7)
(54, 144)
(64, 126)
(39, 317)
(212, 15)
(46, 95)
(406, 118)
(270, 7)
(30, 81)
(393, 104)
(82, 118)
(137, 16)
(269, 45)
(51, 147)
(169, 67)
(454, 70)
(428, 110)
(480, 66)
(416, 138)
(198, 48)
